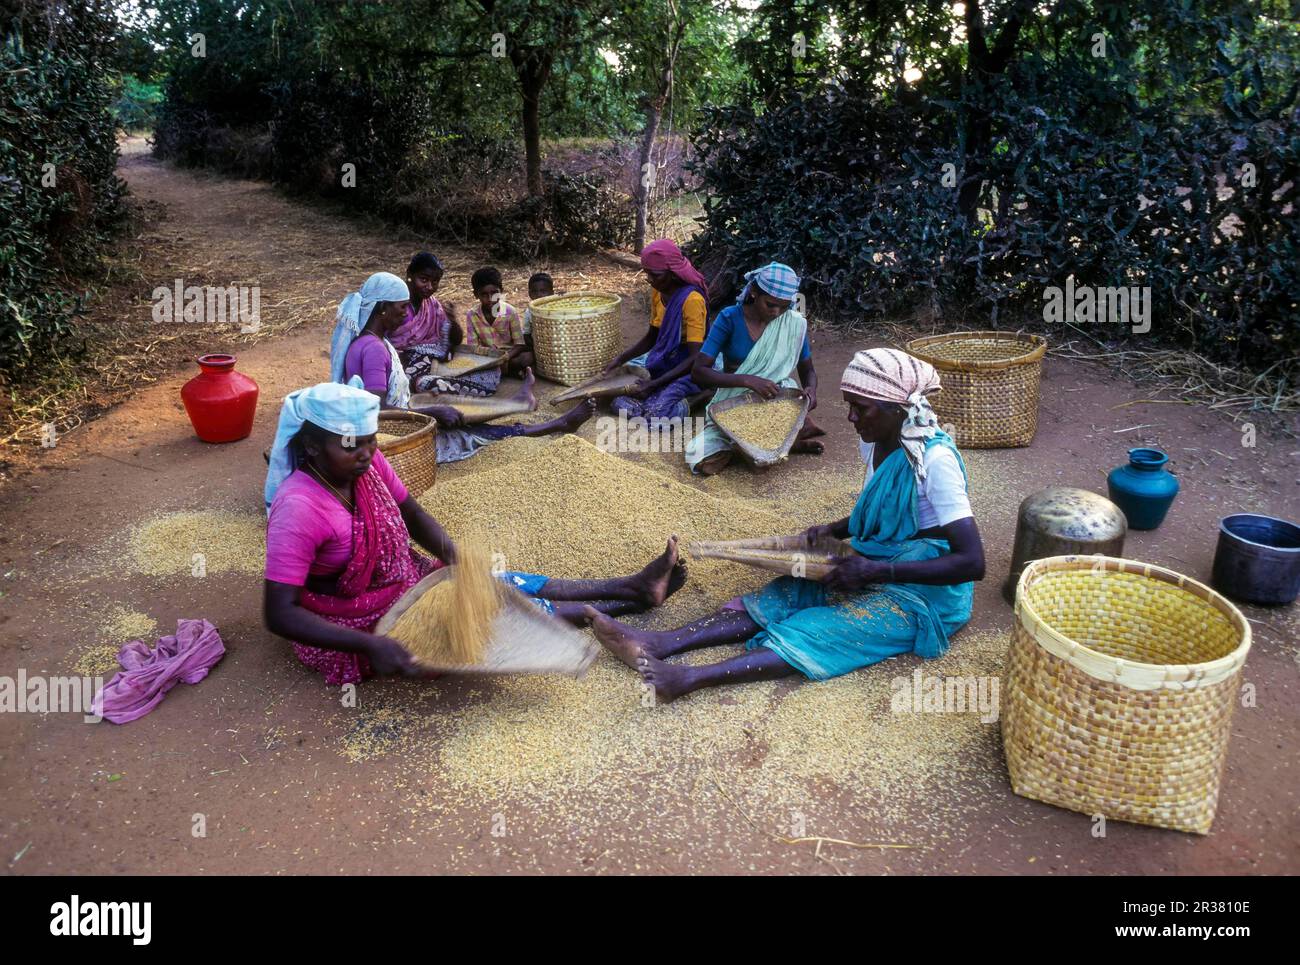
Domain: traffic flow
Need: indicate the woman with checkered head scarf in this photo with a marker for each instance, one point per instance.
(906, 580)
(762, 345)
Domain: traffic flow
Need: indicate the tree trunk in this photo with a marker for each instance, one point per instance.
(654, 110)
(532, 69)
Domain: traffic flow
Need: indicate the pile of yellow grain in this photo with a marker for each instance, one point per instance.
(450, 624)
(568, 509)
(761, 424)
(384, 438)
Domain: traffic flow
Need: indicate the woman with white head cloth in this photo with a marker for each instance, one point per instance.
(905, 587)
(360, 348)
(338, 543)
(762, 342)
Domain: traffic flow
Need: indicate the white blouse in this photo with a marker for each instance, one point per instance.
(942, 498)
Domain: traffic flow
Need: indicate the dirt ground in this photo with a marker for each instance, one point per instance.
(285, 780)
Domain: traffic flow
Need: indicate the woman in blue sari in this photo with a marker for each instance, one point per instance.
(907, 588)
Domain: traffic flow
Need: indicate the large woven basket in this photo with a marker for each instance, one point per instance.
(989, 391)
(575, 335)
(1119, 688)
(414, 455)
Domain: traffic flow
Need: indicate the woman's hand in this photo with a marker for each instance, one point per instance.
(446, 416)
(856, 573)
(388, 657)
(639, 389)
(814, 533)
(766, 388)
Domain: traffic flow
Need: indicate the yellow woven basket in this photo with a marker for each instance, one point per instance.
(575, 335)
(1119, 688)
(990, 385)
(413, 456)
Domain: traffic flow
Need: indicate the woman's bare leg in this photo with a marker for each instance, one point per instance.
(661, 578)
(568, 422)
(715, 630)
(671, 681)
(576, 612)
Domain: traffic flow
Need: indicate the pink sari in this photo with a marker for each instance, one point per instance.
(382, 568)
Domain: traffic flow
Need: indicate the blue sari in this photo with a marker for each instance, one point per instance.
(824, 635)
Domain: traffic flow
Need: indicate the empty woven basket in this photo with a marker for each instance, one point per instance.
(575, 335)
(414, 455)
(1119, 688)
(990, 385)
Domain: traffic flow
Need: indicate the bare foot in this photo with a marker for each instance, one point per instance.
(525, 393)
(668, 681)
(807, 447)
(618, 638)
(714, 464)
(576, 416)
(663, 577)
(810, 429)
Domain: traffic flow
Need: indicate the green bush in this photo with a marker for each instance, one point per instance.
(849, 188)
(60, 199)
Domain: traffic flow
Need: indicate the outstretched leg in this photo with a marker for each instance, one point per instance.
(670, 681)
(660, 579)
(576, 612)
(568, 422)
(629, 644)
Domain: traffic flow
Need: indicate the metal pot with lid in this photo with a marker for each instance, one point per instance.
(1062, 521)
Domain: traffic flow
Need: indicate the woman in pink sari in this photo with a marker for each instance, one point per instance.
(338, 543)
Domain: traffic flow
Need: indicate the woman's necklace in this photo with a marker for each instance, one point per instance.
(346, 502)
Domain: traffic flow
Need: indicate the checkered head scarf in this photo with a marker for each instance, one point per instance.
(890, 375)
(778, 280)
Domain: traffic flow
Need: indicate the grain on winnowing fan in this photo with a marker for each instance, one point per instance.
(451, 622)
(199, 543)
(761, 424)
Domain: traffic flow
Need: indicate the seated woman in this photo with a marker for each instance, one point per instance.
(361, 348)
(678, 312)
(761, 341)
(428, 336)
(907, 589)
(338, 551)
(495, 323)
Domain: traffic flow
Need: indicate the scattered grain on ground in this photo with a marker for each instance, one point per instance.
(199, 543)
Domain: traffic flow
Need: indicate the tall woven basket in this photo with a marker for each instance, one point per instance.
(575, 335)
(1119, 688)
(990, 385)
(414, 454)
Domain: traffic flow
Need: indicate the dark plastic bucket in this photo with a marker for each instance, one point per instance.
(1257, 559)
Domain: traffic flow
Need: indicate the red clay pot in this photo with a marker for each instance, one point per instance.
(220, 402)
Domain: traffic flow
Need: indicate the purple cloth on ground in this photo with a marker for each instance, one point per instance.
(147, 674)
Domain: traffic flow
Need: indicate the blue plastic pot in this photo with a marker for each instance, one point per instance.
(1143, 489)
